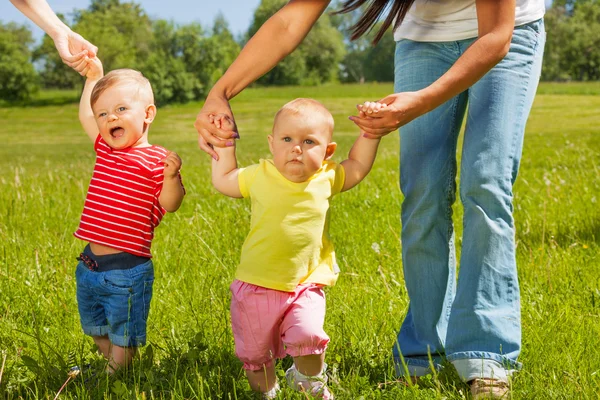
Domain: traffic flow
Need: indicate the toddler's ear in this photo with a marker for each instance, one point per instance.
(330, 150)
(150, 113)
(270, 139)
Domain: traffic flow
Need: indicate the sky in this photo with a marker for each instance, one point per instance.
(238, 13)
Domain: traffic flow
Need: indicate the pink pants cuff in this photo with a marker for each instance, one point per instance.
(268, 324)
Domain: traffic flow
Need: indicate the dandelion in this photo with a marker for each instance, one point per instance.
(376, 248)
(72, 374)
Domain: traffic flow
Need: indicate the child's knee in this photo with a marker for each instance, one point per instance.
(305, 340)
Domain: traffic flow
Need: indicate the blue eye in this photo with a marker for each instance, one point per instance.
(309, 141)
(287, 139)
(121, 109)
(102, 114)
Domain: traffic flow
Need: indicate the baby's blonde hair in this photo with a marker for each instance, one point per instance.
(309, 108)
(124, 75)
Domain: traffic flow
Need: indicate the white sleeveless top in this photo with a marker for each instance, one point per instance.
(448, 20)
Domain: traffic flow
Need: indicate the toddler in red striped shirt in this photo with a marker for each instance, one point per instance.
(133, 185)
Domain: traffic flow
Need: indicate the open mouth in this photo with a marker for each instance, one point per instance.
(117, 132)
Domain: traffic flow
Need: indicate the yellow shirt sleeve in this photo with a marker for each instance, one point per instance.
(339, 179)
(246, 178)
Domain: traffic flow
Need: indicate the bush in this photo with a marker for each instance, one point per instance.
(18, 79)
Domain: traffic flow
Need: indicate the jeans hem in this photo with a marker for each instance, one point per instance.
(127, 341)
(472, 365)
(96, 330)
(416, 366)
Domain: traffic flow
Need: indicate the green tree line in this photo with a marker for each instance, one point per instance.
(184, 61)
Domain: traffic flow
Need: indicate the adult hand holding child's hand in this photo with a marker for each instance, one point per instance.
(209, 134)
(379, 118)
(93, 68)
(73, 49)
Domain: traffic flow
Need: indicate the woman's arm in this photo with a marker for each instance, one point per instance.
(496, 19)
(276, 38)
(71, 47)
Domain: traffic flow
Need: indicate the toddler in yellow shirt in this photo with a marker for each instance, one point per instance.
(278, 303)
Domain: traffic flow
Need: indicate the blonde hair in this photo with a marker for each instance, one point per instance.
(309, 108)
(124, 75)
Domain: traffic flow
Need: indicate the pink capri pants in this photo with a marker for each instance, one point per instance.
(268, 324)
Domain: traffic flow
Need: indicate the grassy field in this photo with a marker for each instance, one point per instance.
(45, 166)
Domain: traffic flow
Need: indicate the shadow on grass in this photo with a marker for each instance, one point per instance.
(566, 234)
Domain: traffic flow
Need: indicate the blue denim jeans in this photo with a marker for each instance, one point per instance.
(115, 303)
(474, 321)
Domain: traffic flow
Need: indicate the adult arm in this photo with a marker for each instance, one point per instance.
(71, 47)
(276, 38)
(496, 19)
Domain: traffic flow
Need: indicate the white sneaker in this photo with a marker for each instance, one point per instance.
(315, 385)
(271, 394)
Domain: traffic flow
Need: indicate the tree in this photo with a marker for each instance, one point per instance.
(364, 61)
(122, 32)
(18, 79)
(315, 61)
(378, 64)
(572, 49)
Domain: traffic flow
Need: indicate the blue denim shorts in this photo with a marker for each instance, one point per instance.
(115, 303)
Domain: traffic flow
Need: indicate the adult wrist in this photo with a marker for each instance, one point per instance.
(218, 92)
(58, 30)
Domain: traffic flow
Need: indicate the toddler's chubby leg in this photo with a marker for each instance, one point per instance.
(310, 365)
(263, 380)
(103, 344)
(306, 341)
(121, 357)
(117, 356)
(256, 314)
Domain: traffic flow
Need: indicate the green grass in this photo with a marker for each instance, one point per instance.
(46, 162)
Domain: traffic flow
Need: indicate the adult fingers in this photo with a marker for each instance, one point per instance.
(204, 146)
(205, 127)
(72, 60)
(80, 65)
(388, 99)
(370, 135)
(369, 122)
(375, 132)
(92, 50)
(374, 125)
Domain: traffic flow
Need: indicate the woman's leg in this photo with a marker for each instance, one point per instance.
(427, 180)
(484, 330)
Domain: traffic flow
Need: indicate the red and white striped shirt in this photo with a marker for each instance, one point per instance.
(121, 209)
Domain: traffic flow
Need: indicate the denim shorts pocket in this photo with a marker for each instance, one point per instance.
(79, 272)
(117, 282)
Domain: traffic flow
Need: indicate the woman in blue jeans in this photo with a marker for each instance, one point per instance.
(479, 58)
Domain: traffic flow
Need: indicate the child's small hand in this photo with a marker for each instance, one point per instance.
(93, 69)
(370, 107)
(172, 164)
(222, 121)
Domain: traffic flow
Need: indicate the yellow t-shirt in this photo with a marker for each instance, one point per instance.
(289, 241)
